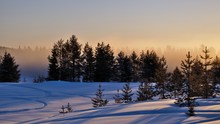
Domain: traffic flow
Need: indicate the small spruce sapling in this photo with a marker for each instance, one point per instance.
(191, 111)
(62, 109)
(69, 108)
(99, 101)
(144, 92)
(127, 93)
(66, 109)
(117, 97)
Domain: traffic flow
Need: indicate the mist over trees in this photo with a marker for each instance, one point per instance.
(31, 61)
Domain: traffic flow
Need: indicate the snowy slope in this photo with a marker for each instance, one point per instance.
(41, 103)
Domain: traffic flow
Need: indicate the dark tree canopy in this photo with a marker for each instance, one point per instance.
(65, 61)
(177, 80)
(104, 61)
(149, 61)
(88, 63)
(135, 67)
(124, 70)
(9, 69)
(53, 70)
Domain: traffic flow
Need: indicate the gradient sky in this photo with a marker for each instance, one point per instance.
(122, 23)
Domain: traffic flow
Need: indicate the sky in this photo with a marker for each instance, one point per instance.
(135, 24)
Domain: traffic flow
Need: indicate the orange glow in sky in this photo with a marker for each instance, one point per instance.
(122, 23)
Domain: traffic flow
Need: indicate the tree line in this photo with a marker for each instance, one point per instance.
(70, 61)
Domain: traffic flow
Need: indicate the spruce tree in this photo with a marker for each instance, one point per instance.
(88, 63)
(177, 80)
(99, 101)
(186, 66)
(197, 78)
(127, 93)
(135, 67)
(117, 97)
(123, 67)
(104, 61)
(53, 70)
(161, 76)
(57, 60)
(149, 62)
(215, 71)
(144, 92)
(74, 51)
(119, 67)
(207, 62)
(9, 69)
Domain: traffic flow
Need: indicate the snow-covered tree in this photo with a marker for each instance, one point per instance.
(177, 81)
(161, 76)
(197, 78)
(117, 97)
(215, 71)
(144, 92)
(99, 101)
(127, 93)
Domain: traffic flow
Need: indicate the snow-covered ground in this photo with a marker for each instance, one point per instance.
(41, 103)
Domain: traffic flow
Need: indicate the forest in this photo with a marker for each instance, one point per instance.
(71, 61)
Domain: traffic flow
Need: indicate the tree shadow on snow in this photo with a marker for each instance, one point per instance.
(101, 113)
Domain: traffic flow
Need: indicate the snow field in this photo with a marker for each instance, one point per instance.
(41, 103)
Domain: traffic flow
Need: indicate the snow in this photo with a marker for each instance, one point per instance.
(40, 103)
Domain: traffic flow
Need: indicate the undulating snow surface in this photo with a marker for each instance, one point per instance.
(41, 103)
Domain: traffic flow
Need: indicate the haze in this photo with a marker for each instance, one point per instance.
(125, 24)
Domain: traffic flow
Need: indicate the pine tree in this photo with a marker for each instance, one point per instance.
(74, 49)
(53, 70)
(123, 67)
(149, 62)
(177, 80)
(127, 93)
(117, 97)
(144, 92)
(63, 110)
(69, 107)
(9, 69)
(88, 63)
(215, 70)
(197, 78)
(57, 62)
(206, 64)
(135, 67)
(161, 76)
(104, 61)
(119, 67)
(186, 66)
(99, 101)
(191, 111)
